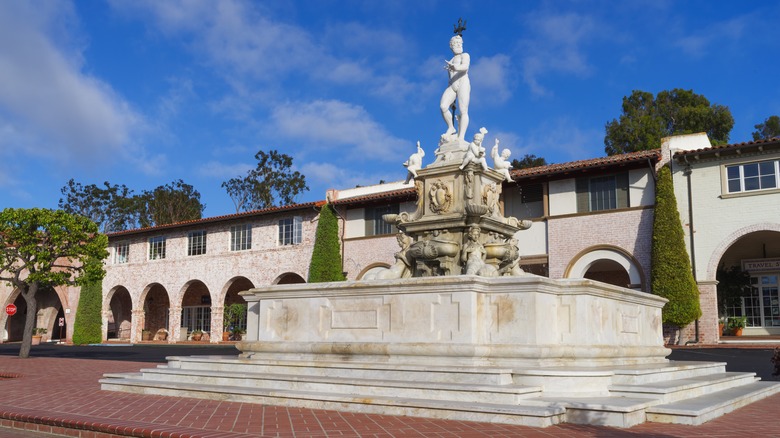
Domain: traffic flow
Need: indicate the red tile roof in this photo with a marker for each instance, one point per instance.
(729, 147)
(400, 194)
(207, 220)
(593, 163)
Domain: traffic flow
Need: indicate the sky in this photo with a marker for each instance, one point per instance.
(144, 93)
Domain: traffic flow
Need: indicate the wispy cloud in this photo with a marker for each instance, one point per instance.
(46, 96)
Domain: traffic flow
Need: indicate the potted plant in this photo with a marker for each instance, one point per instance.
(232, 316)
(197, 334)
(736, 324)
(38, 333)
(146, 335)
(236, 334)
(721, 325)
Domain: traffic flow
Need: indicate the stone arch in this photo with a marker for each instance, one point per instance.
(603, 258)
(154, 304)
(373, 267)
(724, 245)
(192, 309)
(118, 313)
(12, 327)
(229, 295)
(289, 278)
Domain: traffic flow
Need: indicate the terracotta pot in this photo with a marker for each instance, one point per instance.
(225, 336)
(146, 336)
(36, 340)
(720, 329)
(738, 331)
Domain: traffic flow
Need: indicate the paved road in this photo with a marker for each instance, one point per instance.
(737, 359)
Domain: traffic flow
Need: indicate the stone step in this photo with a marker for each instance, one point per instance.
(406, 388)
(658, 372)
(360, 370)
(604, 411)
(528, 414)
(681, 389)
(704, 408)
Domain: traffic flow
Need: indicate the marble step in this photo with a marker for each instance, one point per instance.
(528, 414)
(360, 370)
(466, 392)
(610, 411)
(706, 407)
(658, 372)
(681, 389)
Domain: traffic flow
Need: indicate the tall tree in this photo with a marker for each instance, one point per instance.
(42, 248)
(769, 129)
(326, 256)
(168, 204)
(671, 275)
(528, 161)
(271, 183)
(111, 207)
(647, 119)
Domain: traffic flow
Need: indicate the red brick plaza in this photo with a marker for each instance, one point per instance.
(63, 396)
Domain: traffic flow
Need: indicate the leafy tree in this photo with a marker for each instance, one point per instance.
(769, 129)
(326, 255)
(168, 204)
(528, 161)
(116, 208)
(88, 327)
(271, 183)
(671, 276)
(42, 248)
(112, 208)
(646, 120)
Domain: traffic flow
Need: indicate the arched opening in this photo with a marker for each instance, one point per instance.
(749, 282)
(607, 264)
(235, 308)
(289, 278)
(47, 316)
(156, 307)
(608, 271)
(196, 308)
(15, 325)
(120, 314)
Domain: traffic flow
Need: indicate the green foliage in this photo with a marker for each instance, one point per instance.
(271, 183)
(769, 129)
(326, 255)
(232, 315)
(646, 120)
(51, 248)
(671, 276)
(116, 208)
(528, 161)
(737, 322)
(88, 327)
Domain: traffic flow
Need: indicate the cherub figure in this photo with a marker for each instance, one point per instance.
(414, 163)
(473, 253)
(475, 153)
(501, 162)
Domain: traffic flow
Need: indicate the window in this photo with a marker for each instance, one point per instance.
(121, 253)
(240, 237)
(753, 176)
(157, 248)
(196, 243)
(196, 318)
(600, 193)
(290, 231)
(375, 225)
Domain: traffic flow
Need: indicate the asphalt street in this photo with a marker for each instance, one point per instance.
(755, 360)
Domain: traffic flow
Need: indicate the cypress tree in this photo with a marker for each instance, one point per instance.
(326, 255)
(88, 327)
(671, 275)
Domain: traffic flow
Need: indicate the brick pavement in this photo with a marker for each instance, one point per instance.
(63, 396)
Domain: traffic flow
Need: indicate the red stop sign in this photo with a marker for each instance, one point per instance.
(10, 309)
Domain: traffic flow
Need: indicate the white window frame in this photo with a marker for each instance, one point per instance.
(290, 231)
(157, 247)
(742, 181)
(196, 243)
(241, 237)
(121, 253)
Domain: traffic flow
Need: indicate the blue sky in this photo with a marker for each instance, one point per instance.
(143, 93)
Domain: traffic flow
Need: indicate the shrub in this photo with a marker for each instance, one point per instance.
(326, 256)
(88, 327)
(671, 275)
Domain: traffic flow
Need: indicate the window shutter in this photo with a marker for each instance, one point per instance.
(621, 187)
(581, 189)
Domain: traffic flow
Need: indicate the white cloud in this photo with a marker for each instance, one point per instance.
(216, 169)
(713, 37)
(45, 95)
(347, 130)
(331, 176)
(491, 76)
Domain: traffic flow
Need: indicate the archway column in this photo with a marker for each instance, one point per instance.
(104, 315)
(137, 325)
(174, 323)
(217, 316)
